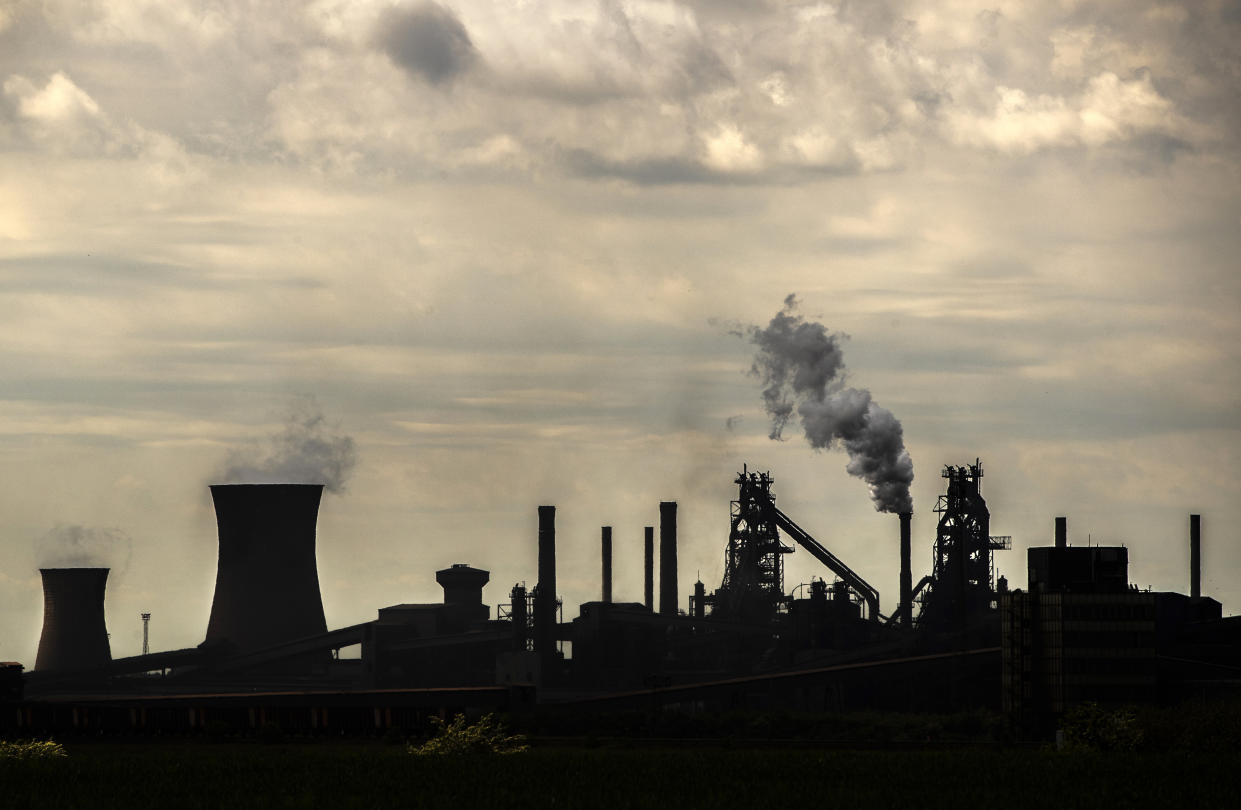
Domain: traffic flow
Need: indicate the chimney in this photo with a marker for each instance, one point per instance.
(648, 558)
(75, 636)
(1195, 556)
(1062, 532)
(700, 600)
(606, 550)
(906, 607)
(668, 558)
(267, 579)
(545, 591)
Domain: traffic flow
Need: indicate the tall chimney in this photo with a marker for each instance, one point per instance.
(1062, 532)
(606, 553)
(75, 636)
(545, 593)
(906, 573)
(668, 558)
(1195, 556)
(267, 580)
(648, 558)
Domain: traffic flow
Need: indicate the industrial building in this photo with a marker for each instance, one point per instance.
(957, 639)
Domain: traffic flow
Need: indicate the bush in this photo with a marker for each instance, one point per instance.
(487, 736)
(1087, 726)
(32, 749)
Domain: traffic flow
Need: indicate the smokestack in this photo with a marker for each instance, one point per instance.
(668, 558)
(545, 593)
(1062, 532)
(906, 573)
(649, 561)
(606, 550)
(1195, 556)
(75, 636)
(267, 579)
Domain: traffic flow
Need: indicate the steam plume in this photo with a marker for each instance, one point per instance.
(83, 547)
(309, 450)
(802, 368)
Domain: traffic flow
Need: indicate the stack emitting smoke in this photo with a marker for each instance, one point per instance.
(906, 618)
(75, 635)
(267, 579)
(802, 369)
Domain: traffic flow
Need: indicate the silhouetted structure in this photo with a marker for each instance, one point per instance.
(267, 580)
(648, 566)
(605, 553)
(75, 635)
(668, 558)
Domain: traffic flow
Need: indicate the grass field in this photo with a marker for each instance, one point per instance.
(188, 774)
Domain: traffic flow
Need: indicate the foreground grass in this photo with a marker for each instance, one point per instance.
(188, 775)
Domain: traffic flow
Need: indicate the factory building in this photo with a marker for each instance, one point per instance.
(957, 639)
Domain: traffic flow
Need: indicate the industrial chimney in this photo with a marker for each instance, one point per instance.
(606, 554)
(1062, 532)
(648, 561)
(545, 590)
(75, 636)
(1195, 556)
(668, 558)
(906, 573)
(267, 580)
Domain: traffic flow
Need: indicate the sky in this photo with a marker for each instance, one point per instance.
(492, 255)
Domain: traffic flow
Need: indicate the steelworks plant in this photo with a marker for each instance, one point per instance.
(958, 639)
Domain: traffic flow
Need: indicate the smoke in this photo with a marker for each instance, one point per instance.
(308, 450)
(83, 547)
(802, 368)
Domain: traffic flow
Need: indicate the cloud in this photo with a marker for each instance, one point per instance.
(73, 546)
(427, 41)
(308, 450)
(1110, 109)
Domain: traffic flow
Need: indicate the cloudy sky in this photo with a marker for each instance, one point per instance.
(501, 247)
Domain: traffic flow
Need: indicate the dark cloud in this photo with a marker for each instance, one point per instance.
(427, 41)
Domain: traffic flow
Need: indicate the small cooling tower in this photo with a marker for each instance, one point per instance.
(75, 636)
(267, 580)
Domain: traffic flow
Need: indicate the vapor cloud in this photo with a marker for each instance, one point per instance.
(308, 450)
(72, 546)
(802, 368)
(427, 41)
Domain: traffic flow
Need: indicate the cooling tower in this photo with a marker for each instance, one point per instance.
(267, 581)
(74, 634)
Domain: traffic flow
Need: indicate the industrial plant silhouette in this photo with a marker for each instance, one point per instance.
(959, 639)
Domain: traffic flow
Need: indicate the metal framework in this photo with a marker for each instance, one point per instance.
(964, 570)
(753, 586)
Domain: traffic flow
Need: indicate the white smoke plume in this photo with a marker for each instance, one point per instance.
(83, 547)
(802, 368)
(308, 450)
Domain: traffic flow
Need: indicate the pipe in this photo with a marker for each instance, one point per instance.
(1195, 556)
(1062, 532)
(545, 593)
(606, 553)
(668, 558)
(906, 572)
(649, 563)
(267, 579)
(74, 636)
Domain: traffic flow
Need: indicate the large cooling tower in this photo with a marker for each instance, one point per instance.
(74, 634)
(267, 581)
